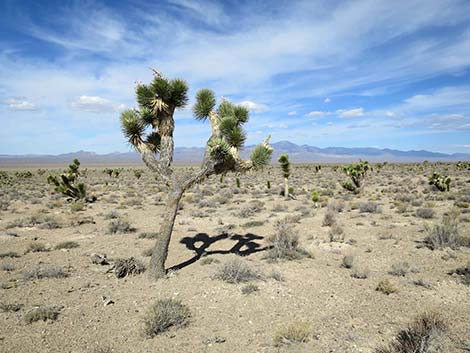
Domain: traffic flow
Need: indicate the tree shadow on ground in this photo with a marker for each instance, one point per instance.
(245, 245)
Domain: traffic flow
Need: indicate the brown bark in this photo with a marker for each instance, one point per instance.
(160, 250)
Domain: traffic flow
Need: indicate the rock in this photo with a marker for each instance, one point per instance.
(99, 259)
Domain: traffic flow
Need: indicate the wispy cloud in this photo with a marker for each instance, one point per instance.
(20, 104)
(95, 104)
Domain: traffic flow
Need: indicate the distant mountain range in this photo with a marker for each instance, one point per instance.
(193, 155)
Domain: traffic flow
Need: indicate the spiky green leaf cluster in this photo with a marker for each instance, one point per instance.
(441, 182)
(156, 100)
(219, 149)
(261, 156)
(205, 103)
(285, 165)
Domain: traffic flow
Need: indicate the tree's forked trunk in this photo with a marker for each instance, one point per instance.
(160, 250)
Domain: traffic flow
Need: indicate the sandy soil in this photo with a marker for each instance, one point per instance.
(345, 314)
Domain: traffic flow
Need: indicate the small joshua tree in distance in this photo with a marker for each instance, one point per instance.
(149, 129)
(68, 185)
(357, 173)
(285, 168)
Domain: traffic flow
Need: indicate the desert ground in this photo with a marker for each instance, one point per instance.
(362, 272)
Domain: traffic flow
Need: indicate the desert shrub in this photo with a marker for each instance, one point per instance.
(126, 267)
(112, 215)
(298, 332)
(165, 314)
(208, 261)
(6, 308)
(359, 272)
(67, 245)
(386, 287)
(36, 247)
(425, 213)
(329, 219)
(252, 224)
(148, 235)
(44, 313)
(418, 336)
(7, 267)
(464, 273)
(77, 207)
(252, 208)
(44, 272)
(276, 275)
(421, 283)
(336, 233)
(348, 261)
(400, 269)
(236, 270)
(443, 235)
(120, 226)
(284, 243)
(369, 207)
(9, 254)
(250, 288)
(336, 206)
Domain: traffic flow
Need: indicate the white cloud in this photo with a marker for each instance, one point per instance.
(292, 113)
(20, 104)
(94, 104)
(350, 113)
(254, 107)
(316, 114)
(283, 126)
(327, 100)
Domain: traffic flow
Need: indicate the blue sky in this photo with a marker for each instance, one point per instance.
(388, 74)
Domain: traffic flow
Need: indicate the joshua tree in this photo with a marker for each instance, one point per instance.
(285, 167)
(357, 173)
(67, 183)
(149, 129)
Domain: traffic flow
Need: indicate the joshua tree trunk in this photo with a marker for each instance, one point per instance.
(286, 188)
(160, 250)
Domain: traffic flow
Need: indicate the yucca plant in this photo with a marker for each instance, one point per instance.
(149, 129)
(357, 173)
(441, 182)
(285, 168)
(68, 185)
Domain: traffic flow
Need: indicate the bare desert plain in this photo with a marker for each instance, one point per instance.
(361, 267)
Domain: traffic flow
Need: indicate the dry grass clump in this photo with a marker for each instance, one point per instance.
(208, 261)
(236, 270)
(329, 219)
(44, 313)
(464, 273)
(443, 235)
(336, 233)
(120, 226)
(36, 247)
(386, 287)
(298, 332)
(10, 308)
(400, 269)
(67, 245)
(163, 315)
(148, 235)
(284, 243)
(126, 267)
(9, 254)
(369, 207)
(44, 272)
(418, 337)
(425, 213)
(250, 288)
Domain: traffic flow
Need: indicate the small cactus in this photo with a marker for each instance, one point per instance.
(238, 182)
